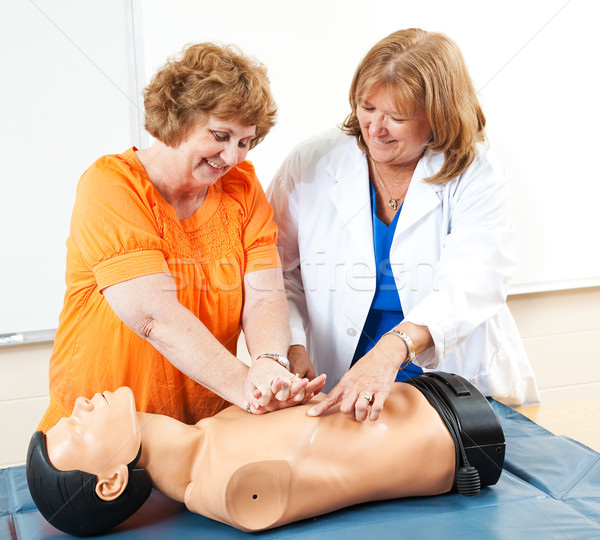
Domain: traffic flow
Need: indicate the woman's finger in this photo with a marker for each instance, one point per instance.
(297, 389)
(281, 391)
(315, 385)
(377, 405)
(329, 401)
(267, 393)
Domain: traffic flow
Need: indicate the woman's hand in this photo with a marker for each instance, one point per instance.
(300, 363)
(269, 386)
(367, 383)
(310, 390)
(268, 380)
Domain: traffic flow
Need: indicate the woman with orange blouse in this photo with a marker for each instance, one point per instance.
(172, 252)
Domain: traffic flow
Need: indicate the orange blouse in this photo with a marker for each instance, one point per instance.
(121, 229)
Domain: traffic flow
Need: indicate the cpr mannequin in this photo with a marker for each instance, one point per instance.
(249, 471)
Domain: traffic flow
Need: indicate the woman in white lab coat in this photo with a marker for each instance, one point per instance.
(395, 236)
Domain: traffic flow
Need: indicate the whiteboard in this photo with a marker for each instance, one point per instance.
(71, 93)
(65, 101)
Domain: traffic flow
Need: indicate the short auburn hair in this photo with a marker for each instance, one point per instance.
(425, 70)
(208, 79)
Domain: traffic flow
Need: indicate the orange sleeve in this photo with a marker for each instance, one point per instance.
(259, 236)
(55, 412)
(113, 224)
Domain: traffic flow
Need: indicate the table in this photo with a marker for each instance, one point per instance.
(578, 419)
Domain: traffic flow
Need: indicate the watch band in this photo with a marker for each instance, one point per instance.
(409, 345)
(277, 357)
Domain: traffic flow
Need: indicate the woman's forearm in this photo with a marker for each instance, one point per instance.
(265, 318)
(149, 306)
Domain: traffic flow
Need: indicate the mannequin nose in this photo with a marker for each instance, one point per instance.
(83, 404)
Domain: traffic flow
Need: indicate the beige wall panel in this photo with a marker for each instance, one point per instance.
(24, 371)
(564, 360)
(19, 420)
(557, 312)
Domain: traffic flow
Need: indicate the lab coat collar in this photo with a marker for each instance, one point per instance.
(421, 197)
(351, 198)
(350, 194)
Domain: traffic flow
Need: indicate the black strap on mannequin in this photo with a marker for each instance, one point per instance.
(473, 425)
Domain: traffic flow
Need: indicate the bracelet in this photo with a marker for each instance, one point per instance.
(277, 357)
(409, 346)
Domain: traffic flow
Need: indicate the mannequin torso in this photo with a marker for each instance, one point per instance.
(259, 472)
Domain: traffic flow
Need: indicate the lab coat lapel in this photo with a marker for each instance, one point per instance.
(421, 197)
(351, 198)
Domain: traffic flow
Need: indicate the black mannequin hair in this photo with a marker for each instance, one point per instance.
(67, 499)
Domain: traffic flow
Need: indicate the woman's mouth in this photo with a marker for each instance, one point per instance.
(213, 164)
(381, 141)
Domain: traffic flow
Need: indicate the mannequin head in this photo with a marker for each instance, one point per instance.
(84, 466)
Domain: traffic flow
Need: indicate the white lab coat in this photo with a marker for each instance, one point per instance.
(452, 256)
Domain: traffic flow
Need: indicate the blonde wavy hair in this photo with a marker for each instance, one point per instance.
(424, 70)
(208, 79)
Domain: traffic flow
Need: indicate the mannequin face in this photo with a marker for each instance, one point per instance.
(101, 434)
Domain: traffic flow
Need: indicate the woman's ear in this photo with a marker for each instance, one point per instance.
(112, 483)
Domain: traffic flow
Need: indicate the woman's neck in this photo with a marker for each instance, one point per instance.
(391, 184)
(163, 165)
(169, 449)
(394, 174)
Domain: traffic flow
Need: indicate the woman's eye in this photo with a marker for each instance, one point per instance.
(221, 137)
(368, 109)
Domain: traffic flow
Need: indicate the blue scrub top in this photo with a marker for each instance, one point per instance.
(386, 309)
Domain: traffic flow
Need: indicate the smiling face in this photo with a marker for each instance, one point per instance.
(212, 148)
(393, 137)
(100, 433)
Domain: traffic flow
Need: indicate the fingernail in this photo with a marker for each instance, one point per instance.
(311, 412)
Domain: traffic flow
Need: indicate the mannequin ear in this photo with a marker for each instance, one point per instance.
(112, 483)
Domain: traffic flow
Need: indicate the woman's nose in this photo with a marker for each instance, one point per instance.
(232, 154)
(377, 125)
